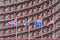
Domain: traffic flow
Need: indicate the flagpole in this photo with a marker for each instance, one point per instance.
(29, 33)
(16, 28)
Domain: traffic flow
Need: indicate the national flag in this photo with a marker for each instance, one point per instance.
(50, 22)
(27, 23)
(12, 22)
(38, 23)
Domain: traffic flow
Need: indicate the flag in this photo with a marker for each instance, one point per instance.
(50, 22)
(38, 23)
(12, 22)
(27, 23)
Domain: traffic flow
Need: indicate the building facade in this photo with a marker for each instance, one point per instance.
(30, 10)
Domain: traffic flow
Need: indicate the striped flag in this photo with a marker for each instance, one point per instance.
(38, 23)
(50, 22)
(12, 22)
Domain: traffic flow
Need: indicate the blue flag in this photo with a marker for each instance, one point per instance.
(38, 23)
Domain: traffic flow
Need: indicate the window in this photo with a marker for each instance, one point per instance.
(18, 23)
(34, 3)
(34, 33)
(18, 29)
(23, 13)
(6, 16)
(18, 7)
(34, 10)
(44, 14)
(29, 35)
(18, 15)
(6, 9)
(12, 8)
(44, 23)
(53, 10)
(24, 30)
(6, 1)
(6, 24)
(19, 0)
(29, 4)
(0, 9)
(0, 0)
(24, 36)
(18, 36)
(44, 30)
(29, 28)
(23, 6)
(29, 12)
(52, 27)
(0, 17)
(23, 22)
(6, 31)
(12, 30)
(40, 32)
(0, 25)
(12, 16)
(12, 1)
(52, 35)
(53, 2)
(0, 32)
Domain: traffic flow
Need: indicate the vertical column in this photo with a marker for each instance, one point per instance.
(26, 28)
(9, 16)
(46, 13)
(14, 15)
(37, 33)
(36, 17)
(15, 31)
(2, 1)
(20, 29)
(37, 10)
(31, 11)
(26, 36)
(9, 25)
(20, 22)
(26, 5)
(31, 19)
(26, 13)
(40, 17)
(36, 2)
(41, 7)
(2, 25)
(31, 35)
(2, 9)
(31, 4)
(50, 11)
(31, 27)
(14, 7)
(45, 6)
(54, 1)
(15, 0)
(8, 1)
(20, 6)
(9, 32)
(2, 17)
(41, 1)
(8, 9)
(20, 14)
(50, 3)
(21, 37)
(2, 33)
